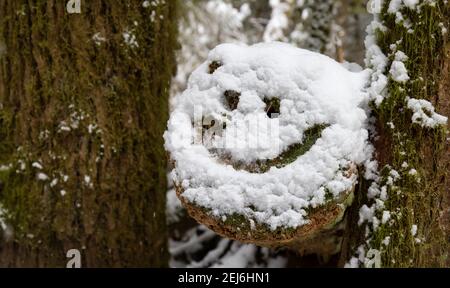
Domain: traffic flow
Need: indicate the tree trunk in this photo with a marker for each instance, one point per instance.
(83, 106)
(418, 201)
(353, 19)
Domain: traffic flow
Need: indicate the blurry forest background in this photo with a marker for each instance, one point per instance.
(332, 27)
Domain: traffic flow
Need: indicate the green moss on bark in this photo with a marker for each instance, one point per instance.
(90, 107)
(414, 198)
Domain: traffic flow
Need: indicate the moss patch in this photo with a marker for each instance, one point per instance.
(413, 199)
(82, 110)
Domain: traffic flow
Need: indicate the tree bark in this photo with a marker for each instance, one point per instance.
(422, 199)
(83, 106)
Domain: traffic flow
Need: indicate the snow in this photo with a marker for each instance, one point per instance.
(398, 72)
(3, 224)
(130, 39)
(386, 216)
(193, 244)
(37, 165)
(212, 255)
(244, 255)
(42, 177)
(411, 3)
(366, 214)
(63, 127)
(278, 21)
(381, 66)
(413, 230)
(377, 62)
(200, 248)
(239, 258)
(424, 114)
(412, 172)
(205, 25)
(400, 56)
(396, 5)
(277, 262)
(443, 29)
(88, 181)
(353, 263)
(313, 89)
(98, 39)
(174, 207)
(5, 167)
(91, 128)
(374, 6)
(54, 182)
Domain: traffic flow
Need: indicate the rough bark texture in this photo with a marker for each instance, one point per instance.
(444, 161)
(420, 199)
(85, 96)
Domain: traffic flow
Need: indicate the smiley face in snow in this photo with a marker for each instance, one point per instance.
(266, 134)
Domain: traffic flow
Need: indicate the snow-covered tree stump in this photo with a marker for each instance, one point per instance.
(266, 141)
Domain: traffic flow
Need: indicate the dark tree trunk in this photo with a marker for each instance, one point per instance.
(85, 96)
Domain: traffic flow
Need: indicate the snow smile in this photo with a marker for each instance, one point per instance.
(248, 108)
(284, 158)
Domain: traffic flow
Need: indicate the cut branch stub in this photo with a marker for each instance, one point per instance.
(284, 170)
(321, 235)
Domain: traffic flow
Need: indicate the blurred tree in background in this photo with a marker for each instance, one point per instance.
(333, 27)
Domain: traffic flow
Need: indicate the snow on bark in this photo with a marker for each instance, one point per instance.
(424, 114)
(394, 186)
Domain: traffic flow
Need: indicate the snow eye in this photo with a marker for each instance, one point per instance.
(232, 98)
(272, 107)
(213, 66)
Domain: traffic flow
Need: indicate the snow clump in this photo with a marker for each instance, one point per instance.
(312, 90)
